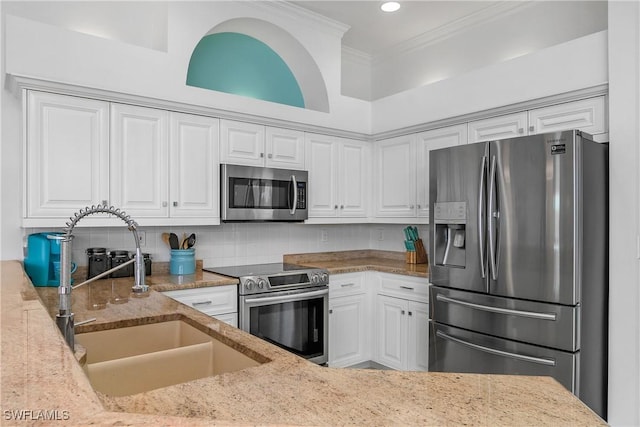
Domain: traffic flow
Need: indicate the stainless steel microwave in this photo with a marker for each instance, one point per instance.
(250, 193)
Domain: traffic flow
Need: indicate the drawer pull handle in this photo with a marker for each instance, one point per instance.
(344, 285)
(201, 303)
(409, 288)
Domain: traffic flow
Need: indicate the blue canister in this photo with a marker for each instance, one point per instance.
(183, 261)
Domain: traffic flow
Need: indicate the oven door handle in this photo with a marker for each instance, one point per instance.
(289, 297)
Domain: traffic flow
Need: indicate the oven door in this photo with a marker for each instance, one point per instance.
(297, 320)
(263, 194)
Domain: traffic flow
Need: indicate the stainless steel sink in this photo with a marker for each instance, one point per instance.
(129, 360)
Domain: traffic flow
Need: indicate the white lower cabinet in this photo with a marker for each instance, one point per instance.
(220, 302)
(402, 323)
(349, 320)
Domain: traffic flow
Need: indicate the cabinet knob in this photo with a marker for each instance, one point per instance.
(419, 206)
(532, 128)
(402, 312)
(175, 204)
(521, 130)
(410, 314)
(164, 204)
(270, 156)
(261, 155)
(411, 206)
(105, 202)
(341, 206)
(330, 311)
(335, 207)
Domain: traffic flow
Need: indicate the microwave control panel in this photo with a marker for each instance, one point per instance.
(302, 196)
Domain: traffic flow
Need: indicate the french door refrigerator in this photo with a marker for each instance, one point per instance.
(518, 268)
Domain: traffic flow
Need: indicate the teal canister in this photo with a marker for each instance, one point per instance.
(183, 261)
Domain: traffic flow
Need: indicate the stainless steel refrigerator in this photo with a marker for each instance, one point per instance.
(518, 260)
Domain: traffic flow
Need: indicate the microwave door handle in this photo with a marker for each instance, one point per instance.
(294, 205)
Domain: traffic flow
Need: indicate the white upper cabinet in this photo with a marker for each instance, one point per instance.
(588, 115)
(139, 160)
(507, 126)
(194, 168)
(433, 140)
(67, 155)
(241, 143)
(256, 145)
(284, 148)
(338, 177)
(395, 177)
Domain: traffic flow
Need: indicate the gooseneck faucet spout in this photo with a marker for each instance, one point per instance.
(64, 318)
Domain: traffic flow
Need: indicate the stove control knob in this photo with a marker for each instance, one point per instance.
(315, 278)
(325, 278)
(262, 283)
(249, 284)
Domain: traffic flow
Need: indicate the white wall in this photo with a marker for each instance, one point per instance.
(624, 284)
(60, 54)
(574, 65)
(519, 28)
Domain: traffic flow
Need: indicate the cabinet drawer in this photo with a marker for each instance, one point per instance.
(211, 300)
(346, 284)
(404, 287)
(228, 318)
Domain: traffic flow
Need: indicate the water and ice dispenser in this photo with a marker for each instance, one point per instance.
(450, 219)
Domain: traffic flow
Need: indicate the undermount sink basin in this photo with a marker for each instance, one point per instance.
(135, 359)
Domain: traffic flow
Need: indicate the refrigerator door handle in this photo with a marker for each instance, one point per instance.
(492, 217)
(482, 220)
(508, 311)
(538, 360)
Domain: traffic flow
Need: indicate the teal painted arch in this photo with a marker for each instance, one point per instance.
(243, 65)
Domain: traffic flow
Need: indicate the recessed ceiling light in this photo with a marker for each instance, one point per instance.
(390, 6)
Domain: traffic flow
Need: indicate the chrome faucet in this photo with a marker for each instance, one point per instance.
(64, 318)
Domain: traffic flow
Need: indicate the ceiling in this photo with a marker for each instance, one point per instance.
(373, 31)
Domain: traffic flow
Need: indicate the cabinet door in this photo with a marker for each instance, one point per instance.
(418, 336)
(284, 148)
(433, 140)
(588, 115)
(347, 330)
(241, 143)
(353, 178)
(139, 160)
(507, 126)
(322, 199)
(392, 332)
(67, 154)
(194, 167)
(395, 177)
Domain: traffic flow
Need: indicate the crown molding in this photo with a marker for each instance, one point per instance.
(291, 11)
(357, 56)
(488, 14)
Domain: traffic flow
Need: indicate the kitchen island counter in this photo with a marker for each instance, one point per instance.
(41, 378)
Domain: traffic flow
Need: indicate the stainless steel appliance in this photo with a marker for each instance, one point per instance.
(251, 193)
(284, 304)
(518, 246)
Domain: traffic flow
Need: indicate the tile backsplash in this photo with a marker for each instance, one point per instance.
(243, 243)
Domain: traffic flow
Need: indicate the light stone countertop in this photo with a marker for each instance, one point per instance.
(40, 377)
